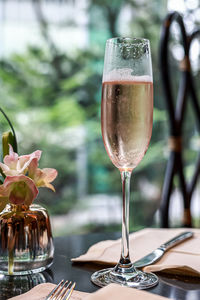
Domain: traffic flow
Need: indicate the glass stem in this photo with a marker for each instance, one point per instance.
(125, 258)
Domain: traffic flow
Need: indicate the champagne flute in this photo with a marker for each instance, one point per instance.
(126, 121)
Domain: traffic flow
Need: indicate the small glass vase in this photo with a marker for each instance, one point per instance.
(26, 243)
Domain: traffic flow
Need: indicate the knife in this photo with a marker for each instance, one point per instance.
(154, 256)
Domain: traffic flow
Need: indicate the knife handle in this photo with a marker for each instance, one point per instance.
(176, 240)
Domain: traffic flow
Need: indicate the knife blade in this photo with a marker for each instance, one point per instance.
(154, 256)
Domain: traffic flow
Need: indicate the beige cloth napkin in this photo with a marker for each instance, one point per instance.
(111, 291)
(40, 291)
(117, 292)
(181, 259)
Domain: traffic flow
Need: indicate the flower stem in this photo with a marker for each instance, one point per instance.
(10, 262)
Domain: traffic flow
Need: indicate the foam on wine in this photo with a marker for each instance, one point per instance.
(125, 75)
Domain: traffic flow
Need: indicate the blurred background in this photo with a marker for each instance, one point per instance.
(51, 63)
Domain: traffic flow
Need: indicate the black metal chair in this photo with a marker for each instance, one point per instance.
(176, 111)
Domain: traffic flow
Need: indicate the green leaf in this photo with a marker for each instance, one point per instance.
(7, 138)
(13, 138)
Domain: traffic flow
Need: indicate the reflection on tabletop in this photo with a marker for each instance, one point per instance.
(11, 286)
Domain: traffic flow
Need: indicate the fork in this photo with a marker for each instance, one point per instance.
(62, 291)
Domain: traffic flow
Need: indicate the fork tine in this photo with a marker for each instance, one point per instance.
(59, 291)
(52, 293)
(64, 291)
(69, 292)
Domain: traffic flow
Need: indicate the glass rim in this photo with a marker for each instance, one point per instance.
(131, 40)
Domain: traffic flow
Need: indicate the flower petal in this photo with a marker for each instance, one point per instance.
(11, 159)
(4, 168)
(21, 189)
(16, 165)
(32, 168)
(42, 177)
(50, 174)
(50, 186)
(25, 160)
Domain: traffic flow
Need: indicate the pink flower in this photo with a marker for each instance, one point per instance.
(41, 177)
(22, 178)
(18, 190)
(15, 165)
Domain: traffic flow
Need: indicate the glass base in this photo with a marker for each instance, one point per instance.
(26, 267)
(130, 278)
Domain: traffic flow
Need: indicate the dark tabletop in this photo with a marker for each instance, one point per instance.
(178, 288)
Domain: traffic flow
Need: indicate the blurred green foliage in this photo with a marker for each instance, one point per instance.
(51, 95)
(53, 98)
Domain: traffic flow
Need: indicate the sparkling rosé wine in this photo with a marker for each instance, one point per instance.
(126, 120)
